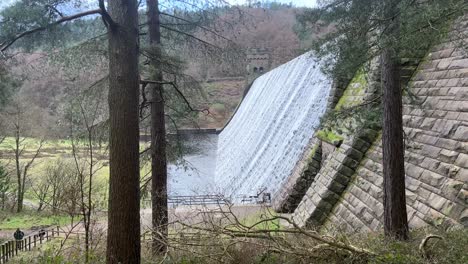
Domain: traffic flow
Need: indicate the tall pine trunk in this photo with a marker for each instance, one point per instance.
(123, 240)
(19, 199)
(158, 137)
(395, 222)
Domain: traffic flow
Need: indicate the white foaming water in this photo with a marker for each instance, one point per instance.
(267, 136)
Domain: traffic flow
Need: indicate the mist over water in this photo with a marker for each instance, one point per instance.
(270, 131)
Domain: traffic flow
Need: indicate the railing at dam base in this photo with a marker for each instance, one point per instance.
(214, 199)
(190, 200)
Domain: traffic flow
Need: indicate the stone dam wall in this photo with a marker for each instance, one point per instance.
(338, 182)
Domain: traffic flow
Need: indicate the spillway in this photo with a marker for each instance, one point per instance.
(268, 134)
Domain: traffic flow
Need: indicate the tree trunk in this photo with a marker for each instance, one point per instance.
(19, 199)
(123, 239)
(395, 222)
(158, 138)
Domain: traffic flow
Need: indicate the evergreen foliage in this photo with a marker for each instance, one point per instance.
(4, 185)
(27, 15)
(357, 34)
(7, 85)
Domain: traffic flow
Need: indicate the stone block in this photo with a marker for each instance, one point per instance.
(451, 189)
(361, 145)
(367, 217)
(337, 187)
(363, 185)
(444, 53)
(411, 183)
(462, 175)
(436, 103)
(453, 171)
(444, 169)
(427, 123)
(463, 117)
(463, 196)
(430, 151)
(423, 193)
(462, 147)
(459, 73)
(432, 178)
(436, 113)
(427, 102)
(410, 197)
(376, 191)
(417, 84)
(452, 115)
(413, 157)
(455, 91)
(345, 170)
(368, 135)
(462, 161)
(453, 82)
(448, 144)
(464, 218)
(461, 133)
(413, 170)
(448, 155)
(375, 225)
(323, 207)
(460, 106)
(416, 222)
(444, 64)
(429, 163)
(445, 127)
(422, 208)
(437, 75)
(342, 179)
(452, 210)
(458, 64)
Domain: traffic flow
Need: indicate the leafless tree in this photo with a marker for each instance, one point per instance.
(50, 189)
(23, 122)
(87, 115)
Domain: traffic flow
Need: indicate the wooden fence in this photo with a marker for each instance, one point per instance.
(11, 248)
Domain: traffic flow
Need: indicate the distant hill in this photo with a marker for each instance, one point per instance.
(50, 81)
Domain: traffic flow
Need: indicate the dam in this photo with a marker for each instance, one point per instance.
(259, 147)
(274, 143)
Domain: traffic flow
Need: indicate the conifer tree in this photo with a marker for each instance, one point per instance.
(391, 30)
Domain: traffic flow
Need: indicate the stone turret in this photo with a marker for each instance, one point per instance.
(258, 62)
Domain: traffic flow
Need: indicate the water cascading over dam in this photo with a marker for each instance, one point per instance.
(268, 134)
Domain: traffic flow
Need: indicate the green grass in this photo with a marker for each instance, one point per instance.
(33, 143)
(261, 220)
(26, 220)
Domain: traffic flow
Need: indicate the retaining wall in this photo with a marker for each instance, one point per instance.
(347, 193)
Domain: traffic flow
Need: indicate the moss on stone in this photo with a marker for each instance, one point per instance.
(329, 136)
(312, 153)
(353, 94)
